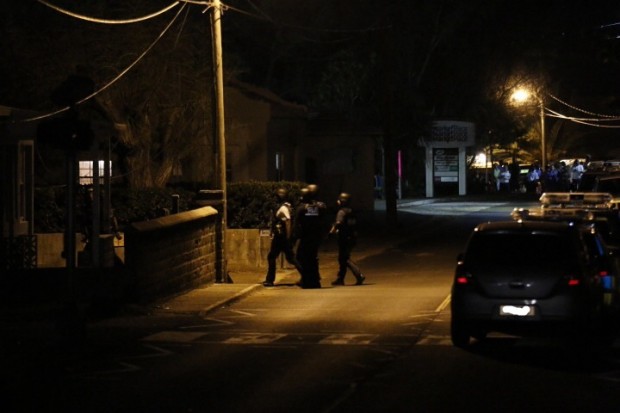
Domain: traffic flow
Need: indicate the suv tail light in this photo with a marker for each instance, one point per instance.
(462, 277)
(572, 281)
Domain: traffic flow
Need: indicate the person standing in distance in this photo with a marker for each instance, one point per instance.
(345, 228)
(281, 237)
(309, 230)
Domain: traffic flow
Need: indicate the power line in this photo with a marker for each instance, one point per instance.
(115, 79)
(582, 110)
(266, 17)
(108, 21)
(587, 122)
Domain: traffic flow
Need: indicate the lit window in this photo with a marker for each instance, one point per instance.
(86, 171)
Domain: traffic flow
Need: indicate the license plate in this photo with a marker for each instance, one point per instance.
(517, 310)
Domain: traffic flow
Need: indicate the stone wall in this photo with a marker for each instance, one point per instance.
(172, 254)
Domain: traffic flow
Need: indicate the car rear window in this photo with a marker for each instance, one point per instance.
(521, 249)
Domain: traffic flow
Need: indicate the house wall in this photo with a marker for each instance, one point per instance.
(343, 163)
(247, 123)
(337, 155)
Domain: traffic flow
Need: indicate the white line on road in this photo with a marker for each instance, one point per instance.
(444, 304)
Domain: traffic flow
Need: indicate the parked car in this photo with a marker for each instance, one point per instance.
(599, 208)
(597, 213)
(525, 278)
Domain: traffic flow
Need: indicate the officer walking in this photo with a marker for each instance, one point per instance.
(281, 237)
(345, 227)
(309, 218)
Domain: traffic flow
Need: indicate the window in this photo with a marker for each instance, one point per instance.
(86, 171)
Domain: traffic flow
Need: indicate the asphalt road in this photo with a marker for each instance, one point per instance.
(380, 347)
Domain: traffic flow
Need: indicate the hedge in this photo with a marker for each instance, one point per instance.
(249, 204)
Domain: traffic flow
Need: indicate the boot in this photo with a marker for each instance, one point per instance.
(338, 281)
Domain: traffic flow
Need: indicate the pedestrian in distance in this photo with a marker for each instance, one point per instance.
(281, 237)
(504, 178)
(310, 231)
(345, 226)
(576, 173)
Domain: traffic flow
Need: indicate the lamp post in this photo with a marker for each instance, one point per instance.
(523, 95)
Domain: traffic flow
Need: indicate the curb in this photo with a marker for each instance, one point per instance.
(229, 300)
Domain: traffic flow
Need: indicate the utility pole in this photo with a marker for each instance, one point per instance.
(543, 140)
(216, 24)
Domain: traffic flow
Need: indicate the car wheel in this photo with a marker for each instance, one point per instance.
(459, 334)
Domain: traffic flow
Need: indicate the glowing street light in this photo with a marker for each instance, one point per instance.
(523, 95)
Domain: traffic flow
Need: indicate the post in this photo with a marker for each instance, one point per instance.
(543, 144)
(220, 123)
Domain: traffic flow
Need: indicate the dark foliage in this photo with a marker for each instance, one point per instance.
(250, 203)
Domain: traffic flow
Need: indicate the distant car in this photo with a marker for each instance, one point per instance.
(609, 183)
(525, 278)
(598, 208)
(597, 170)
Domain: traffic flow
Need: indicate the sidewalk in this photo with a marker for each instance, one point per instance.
(213, 296)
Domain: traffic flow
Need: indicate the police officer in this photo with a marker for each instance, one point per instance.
(345, 228)
(281, 237)
(309, 229)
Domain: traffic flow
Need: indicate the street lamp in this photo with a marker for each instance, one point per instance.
(524, 95)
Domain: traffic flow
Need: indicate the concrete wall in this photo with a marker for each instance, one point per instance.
(49, 250)
(247, 249)
(172, 254)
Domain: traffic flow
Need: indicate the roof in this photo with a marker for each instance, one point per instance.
(266, 95)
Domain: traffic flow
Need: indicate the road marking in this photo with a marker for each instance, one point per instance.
(348, 339)
(243, 314)
(444, 304)
(254, 338)
(432, 340)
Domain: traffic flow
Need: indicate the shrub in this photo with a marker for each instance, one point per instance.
(129, 205)
(250, 203)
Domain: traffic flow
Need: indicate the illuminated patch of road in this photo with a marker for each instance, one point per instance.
(450, 208)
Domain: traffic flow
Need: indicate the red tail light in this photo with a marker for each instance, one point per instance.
(572, 281)
(462, 280)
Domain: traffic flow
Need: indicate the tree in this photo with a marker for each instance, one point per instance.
(161, 106)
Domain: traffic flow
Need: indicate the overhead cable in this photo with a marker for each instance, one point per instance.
(581, 110)
(108, 21)
(115, 79)
(588, 122)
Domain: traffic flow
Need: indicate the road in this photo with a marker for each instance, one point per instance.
(380, 347)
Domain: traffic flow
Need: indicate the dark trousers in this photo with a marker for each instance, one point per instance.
(344, 260)
(280, 245)
(308, 257)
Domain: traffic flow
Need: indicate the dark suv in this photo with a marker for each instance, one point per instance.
(526, 277)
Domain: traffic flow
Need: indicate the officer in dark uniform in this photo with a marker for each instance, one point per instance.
(345, 227)
(281, 237)
(309, 229)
